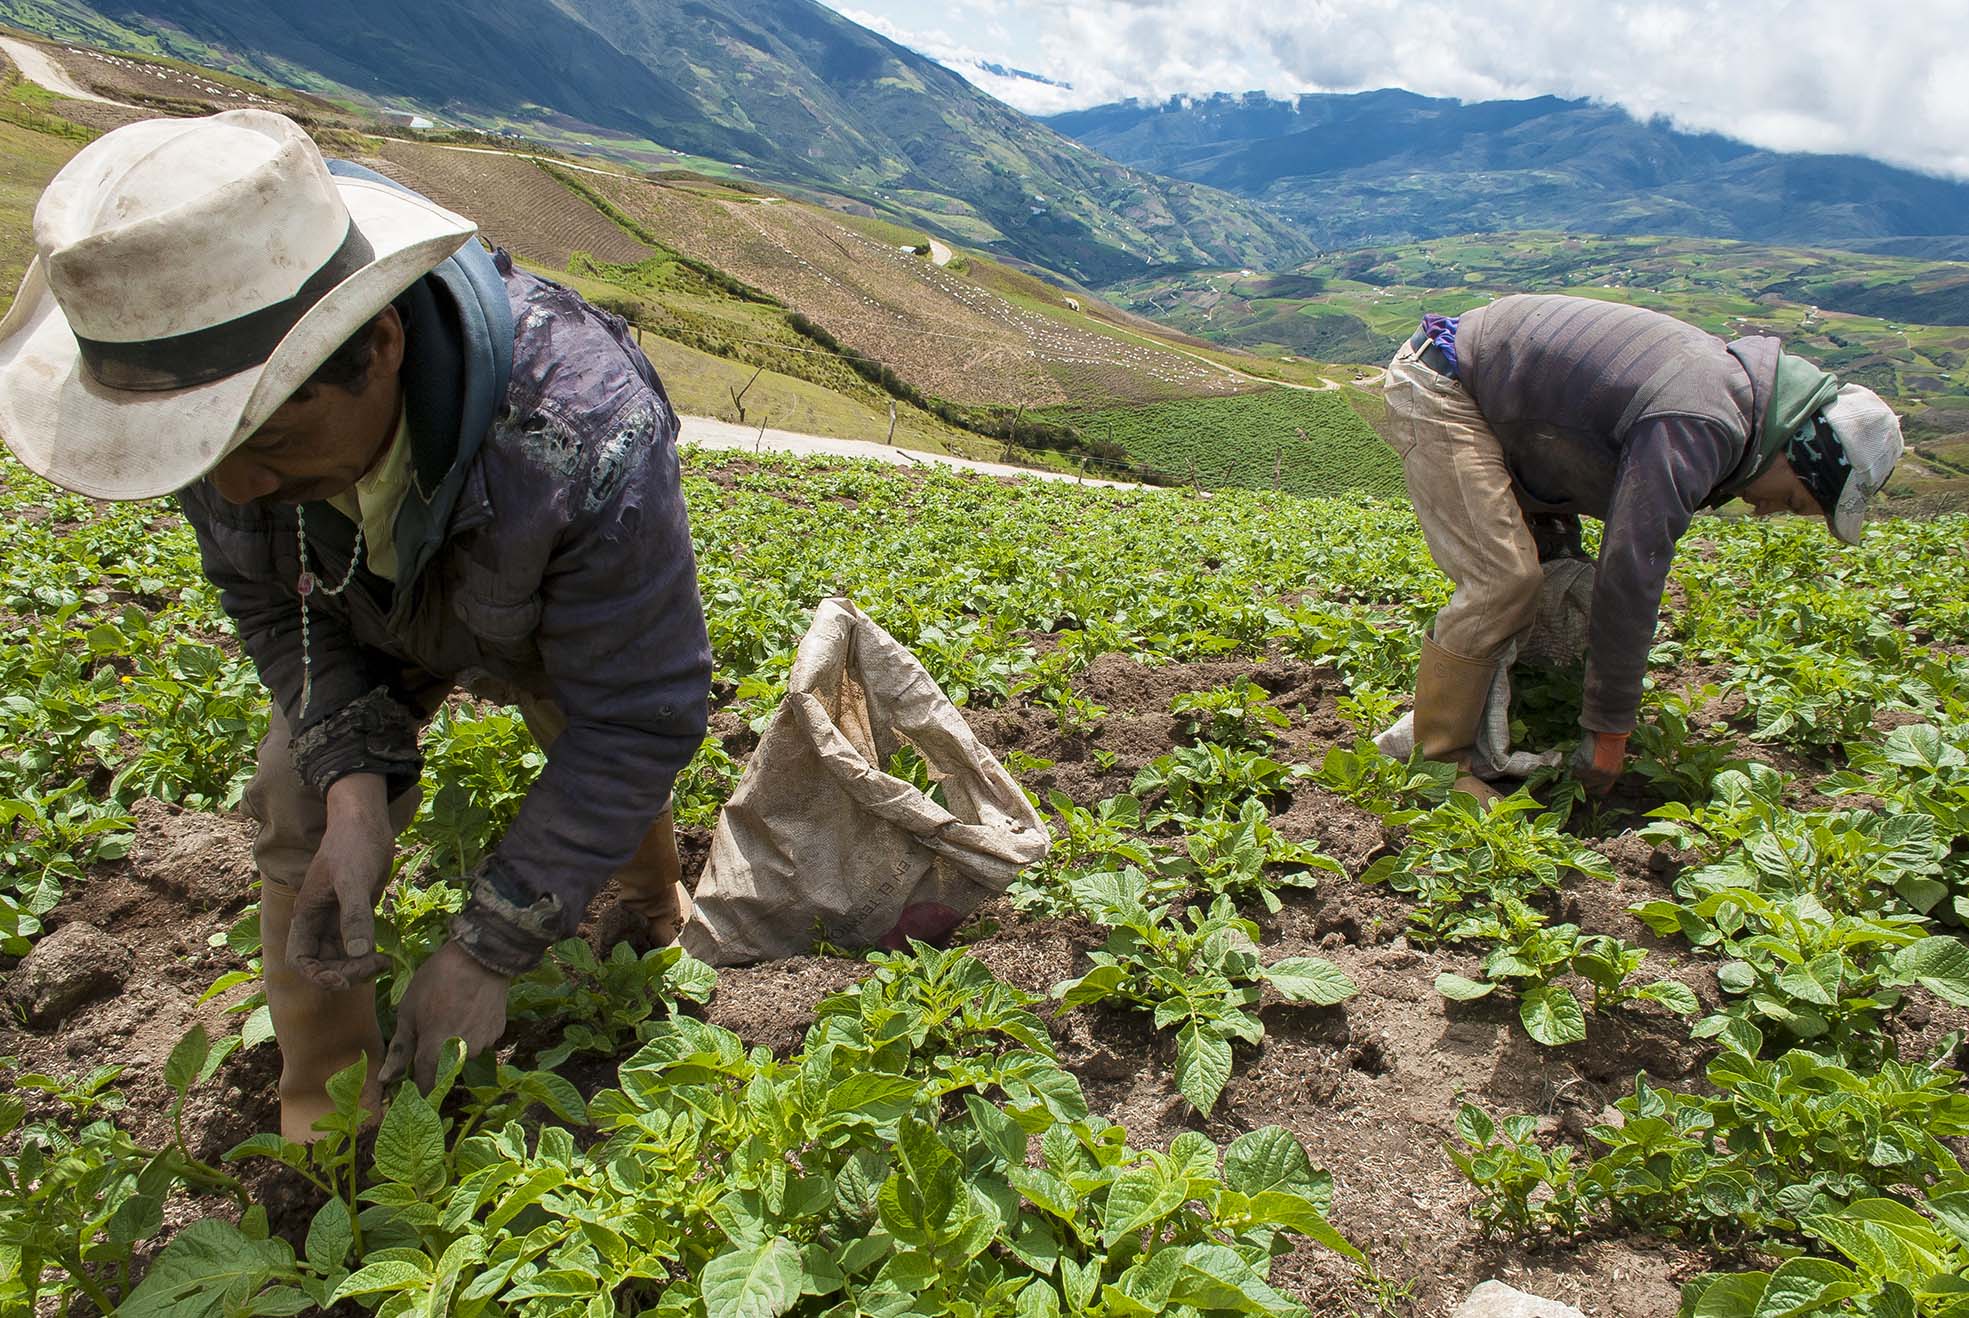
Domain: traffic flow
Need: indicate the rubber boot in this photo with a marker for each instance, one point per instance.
(652, 900)
(1450, 692)
(319, 1032)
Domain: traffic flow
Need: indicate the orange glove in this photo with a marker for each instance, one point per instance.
(1598, 761)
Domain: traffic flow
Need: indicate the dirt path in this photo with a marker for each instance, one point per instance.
(707, 432)
(561, 161)
(38, 67)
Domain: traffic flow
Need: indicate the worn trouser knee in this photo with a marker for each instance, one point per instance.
(319, 1032)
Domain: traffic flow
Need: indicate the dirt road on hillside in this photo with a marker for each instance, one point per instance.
(39, 68)
(707, 432)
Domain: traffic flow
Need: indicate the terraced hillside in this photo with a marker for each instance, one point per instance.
(939, 326)
(515, 201)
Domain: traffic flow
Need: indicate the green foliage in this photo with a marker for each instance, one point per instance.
(1240, 716)
(603, 1004)
(1674, 754)
(1779, 1144)
(1823, 917)
(1299, 441)
(1381, 784)
(1202, 979)
(1474, 872)
(1207, 781)
(79, 1195)
(1897, 1261)
(1531, 958)
(887, 1165)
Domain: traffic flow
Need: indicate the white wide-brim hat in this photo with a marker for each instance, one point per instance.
(189, 276)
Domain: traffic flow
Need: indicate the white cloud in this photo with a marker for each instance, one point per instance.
(1883, 79)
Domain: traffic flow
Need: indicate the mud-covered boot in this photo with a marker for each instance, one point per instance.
(1450, 692)
(319, 1032)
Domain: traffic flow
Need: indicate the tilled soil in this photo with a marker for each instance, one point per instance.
(1371, 1086)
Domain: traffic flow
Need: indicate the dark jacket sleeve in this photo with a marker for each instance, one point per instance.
(353, 724)
(623, 644)
(1670, 465)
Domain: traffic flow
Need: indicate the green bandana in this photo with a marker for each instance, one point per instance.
(1797, 391)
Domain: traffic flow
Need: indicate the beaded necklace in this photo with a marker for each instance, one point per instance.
(307, 584)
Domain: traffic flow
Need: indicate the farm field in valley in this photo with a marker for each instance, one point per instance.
(1182, 684)
(1296, 440)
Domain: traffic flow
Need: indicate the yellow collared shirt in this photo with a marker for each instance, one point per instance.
(372, 502)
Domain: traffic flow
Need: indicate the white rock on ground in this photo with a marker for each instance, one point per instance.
(74, 965)
(1494, 1299)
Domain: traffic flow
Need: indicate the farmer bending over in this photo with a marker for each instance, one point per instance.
(1535, 409)
(409, 466)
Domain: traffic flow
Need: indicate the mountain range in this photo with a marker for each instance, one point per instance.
(785, 88)
(1392, 166)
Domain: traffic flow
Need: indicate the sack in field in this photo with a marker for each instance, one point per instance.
(819, 842)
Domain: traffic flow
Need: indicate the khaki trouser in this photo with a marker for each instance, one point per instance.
(321, 1032)
(1461, 488)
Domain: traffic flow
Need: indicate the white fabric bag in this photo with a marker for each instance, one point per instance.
(819, 842)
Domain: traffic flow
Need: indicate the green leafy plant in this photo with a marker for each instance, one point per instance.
(1474, 871)
(602, 1004)
(1201, 978)
(1239, 715)
(81, 1194)
(1674, 753)
(1532, 959)
(1246, 857)
(1207, 780)
(1383, 785)
(1779, 1142)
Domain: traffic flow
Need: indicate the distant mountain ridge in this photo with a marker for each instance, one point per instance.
(1392, 166)
(787, 87)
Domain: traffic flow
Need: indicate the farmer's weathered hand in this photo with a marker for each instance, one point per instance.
(451, 994)
(333, 938)
(1599, 760)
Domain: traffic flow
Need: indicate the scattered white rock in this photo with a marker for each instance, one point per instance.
(1494, 1299)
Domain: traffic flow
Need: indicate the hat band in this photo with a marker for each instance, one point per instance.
(183, 361)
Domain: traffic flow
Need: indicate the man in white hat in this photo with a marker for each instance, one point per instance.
(1516, 418)
(410, 467)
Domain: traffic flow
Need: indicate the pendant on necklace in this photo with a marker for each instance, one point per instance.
(304, 584)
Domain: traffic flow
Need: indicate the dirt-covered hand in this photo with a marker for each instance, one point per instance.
(451, 994)
(333, 938)
(1598, 761)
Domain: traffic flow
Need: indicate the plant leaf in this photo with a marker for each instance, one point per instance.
(1552, 1016)
(760, 1282)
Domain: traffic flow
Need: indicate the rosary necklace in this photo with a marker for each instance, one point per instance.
(307, 584)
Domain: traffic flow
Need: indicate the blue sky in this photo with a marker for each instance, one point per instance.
(1884, 78)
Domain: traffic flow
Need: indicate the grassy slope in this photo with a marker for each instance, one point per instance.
(1300, 441)
(27, 161)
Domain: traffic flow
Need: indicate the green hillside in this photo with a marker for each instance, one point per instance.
(1301, 441)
